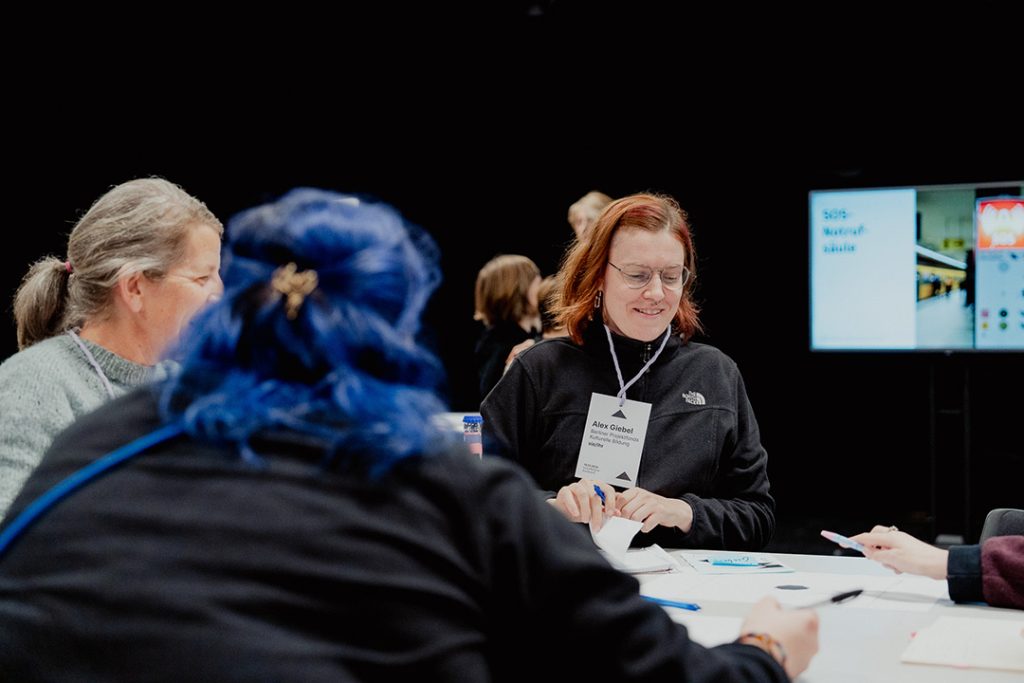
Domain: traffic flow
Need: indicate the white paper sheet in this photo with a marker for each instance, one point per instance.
(727, 562)
(616, 535)
(969, 642)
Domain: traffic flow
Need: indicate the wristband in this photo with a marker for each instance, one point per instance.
(771, 646)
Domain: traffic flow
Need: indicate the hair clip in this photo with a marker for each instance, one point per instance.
(294, 286)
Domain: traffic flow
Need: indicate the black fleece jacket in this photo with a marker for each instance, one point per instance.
(702, 442)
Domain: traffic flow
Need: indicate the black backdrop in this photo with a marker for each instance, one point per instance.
(489, 164)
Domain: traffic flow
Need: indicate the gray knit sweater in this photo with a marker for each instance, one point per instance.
(43, 389)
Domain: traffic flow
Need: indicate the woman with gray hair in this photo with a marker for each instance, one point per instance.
(140, 263)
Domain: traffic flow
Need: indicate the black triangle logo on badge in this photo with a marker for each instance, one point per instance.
(624, 477)
(618, 414)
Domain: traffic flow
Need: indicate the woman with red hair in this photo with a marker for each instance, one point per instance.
(628, 404)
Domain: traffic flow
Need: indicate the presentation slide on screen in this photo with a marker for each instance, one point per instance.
(927, 268)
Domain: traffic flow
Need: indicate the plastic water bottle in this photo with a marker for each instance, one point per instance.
(471, 425)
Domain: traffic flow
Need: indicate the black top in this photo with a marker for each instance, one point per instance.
(186, 564)
(492, 350)
(702, 444)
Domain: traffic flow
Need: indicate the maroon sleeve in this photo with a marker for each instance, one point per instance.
(1002, 571)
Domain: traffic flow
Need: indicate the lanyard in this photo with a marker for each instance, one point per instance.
(92, 361)
(73, 482)
(618, 372)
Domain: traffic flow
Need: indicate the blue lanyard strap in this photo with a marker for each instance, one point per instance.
(80, 478)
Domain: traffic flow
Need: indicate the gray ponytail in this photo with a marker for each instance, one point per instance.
(40, 302)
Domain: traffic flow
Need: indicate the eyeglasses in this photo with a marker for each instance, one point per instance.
(673, 277)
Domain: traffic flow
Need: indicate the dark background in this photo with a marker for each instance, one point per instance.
(486, 139)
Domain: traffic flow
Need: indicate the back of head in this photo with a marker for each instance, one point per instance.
(585, 210)
(547, 304)
(315, 333)
(583, 266)
(139, 226)
(502, 288)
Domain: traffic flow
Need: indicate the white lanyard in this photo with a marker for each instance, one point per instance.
(92, 361)
(618, 372)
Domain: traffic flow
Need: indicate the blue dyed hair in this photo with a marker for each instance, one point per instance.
(347, 370)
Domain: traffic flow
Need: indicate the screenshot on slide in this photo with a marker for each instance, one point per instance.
(930, 268)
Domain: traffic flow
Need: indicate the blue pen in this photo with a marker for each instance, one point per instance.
(692, 606)
(600, 493)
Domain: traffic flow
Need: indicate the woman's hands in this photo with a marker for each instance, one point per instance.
(653, 510)
(903, 553)
(795, 630)
(579, 502)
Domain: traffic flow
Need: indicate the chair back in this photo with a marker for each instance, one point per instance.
(1002, 522)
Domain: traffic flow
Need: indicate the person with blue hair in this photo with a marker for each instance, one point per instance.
(283, 508)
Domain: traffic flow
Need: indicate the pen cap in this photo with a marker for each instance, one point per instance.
(471, 426)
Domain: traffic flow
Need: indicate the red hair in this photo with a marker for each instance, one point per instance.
(584, 266)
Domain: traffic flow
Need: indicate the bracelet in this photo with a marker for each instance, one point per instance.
(771, 646)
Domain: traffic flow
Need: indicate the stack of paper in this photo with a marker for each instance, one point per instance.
(643, 561)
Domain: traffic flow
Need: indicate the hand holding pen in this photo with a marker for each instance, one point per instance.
(794, 630)
(586, 501)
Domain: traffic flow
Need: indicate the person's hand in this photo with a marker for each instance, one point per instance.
(903, 553)
(517, 349)
(580, 503)
(653, 510)
(796, 630)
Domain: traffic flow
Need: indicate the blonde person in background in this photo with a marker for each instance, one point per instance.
(550, 328)
(506, 303)
(585, 210)
(94, 324)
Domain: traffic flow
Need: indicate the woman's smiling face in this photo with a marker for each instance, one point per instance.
(643, 313)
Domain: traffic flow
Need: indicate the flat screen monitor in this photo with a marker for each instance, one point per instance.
(926, 268)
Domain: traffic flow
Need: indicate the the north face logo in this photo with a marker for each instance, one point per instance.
(694, 398)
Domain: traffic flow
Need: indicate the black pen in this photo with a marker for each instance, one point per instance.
(834, 600)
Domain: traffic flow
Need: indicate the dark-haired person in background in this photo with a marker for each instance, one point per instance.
(992, 572)
(550, 328)
(506, 303)
(296, 516)
(630, 374)
(141, 261)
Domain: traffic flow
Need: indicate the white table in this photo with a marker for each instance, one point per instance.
(861, 640)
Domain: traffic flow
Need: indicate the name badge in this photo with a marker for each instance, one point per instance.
(613, 440)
